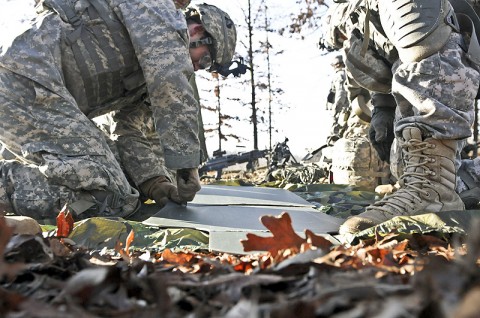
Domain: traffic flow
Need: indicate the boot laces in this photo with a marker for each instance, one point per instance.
(414, 180)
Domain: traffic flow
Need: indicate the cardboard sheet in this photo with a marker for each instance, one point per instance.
(238, 209)
(233, 195)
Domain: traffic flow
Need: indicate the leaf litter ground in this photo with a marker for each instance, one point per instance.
(390, 275)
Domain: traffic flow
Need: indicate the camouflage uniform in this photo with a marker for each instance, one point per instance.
(354, 161)
(47, 100)
(435, 94)
(341, 104)
(118, 127)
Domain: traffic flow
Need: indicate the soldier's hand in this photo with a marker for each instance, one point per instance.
(160, 189)
(381, 131)
(188, 183)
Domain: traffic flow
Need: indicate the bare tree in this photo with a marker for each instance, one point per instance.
(308, 16)
(223, 119)
(252, 75)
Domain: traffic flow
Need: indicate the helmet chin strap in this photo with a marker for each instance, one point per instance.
(227, 69)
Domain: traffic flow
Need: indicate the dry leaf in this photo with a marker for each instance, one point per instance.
(124, 251)
(284, 236)
(58, 248)
(64, 222)
(318, 241)
(129, 241)
(5, 235)
(176, 258)
(7, 269)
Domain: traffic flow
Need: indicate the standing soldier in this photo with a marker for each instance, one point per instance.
(339, 100)
(415, 50)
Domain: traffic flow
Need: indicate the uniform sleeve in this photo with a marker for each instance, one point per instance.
(353, 89)
(138, 144)
(159, 36)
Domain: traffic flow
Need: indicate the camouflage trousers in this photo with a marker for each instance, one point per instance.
(61, 157)
(437, 95)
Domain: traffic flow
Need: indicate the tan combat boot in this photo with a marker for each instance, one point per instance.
(426, 185)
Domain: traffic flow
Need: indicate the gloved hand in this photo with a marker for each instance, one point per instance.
(160, 189)
(381, 131)
(331, 139)
(188, 183)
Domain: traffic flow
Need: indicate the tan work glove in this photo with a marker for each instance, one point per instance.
(160, 189)
(188, 183)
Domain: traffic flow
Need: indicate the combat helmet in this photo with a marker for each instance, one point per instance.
(333, 26)
(222, 29)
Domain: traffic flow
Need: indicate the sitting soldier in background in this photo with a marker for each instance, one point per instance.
(353, 159)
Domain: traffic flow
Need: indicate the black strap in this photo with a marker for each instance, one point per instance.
(469, 22)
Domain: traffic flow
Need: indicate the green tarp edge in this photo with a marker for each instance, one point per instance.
(99, 233)
(447, 222)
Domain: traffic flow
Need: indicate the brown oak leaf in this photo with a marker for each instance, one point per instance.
(179, 258)
(284, 236)
(318, 241)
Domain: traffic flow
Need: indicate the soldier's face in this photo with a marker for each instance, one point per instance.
(201, 58)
